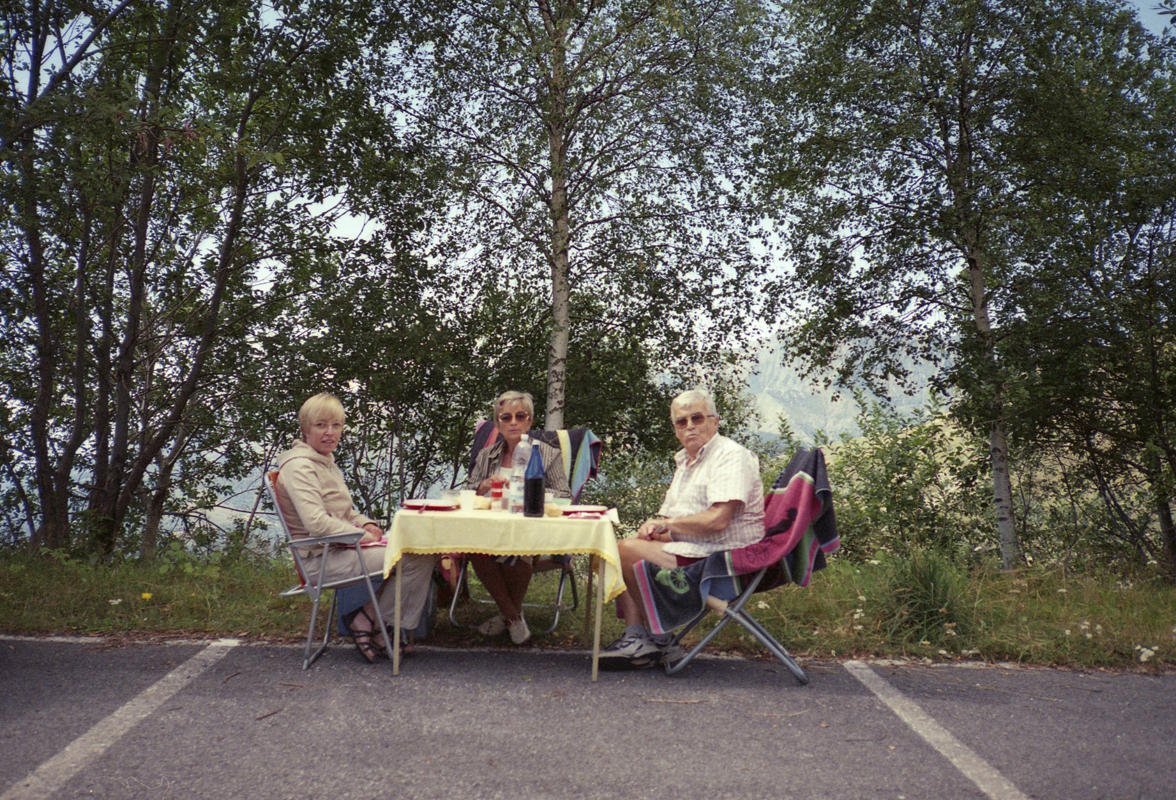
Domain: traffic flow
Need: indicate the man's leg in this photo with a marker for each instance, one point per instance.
(635, 648)
(632, 551)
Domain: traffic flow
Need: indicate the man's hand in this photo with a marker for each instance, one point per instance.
(657, 530)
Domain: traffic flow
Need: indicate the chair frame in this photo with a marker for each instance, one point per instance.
(782, 570)
(733, 611)
(567, 577)
(314, 587)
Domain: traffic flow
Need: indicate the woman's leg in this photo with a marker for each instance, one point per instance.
(417, 573)
(517, 577)
(494, 577)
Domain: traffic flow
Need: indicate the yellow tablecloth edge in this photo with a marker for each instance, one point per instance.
(613, 592)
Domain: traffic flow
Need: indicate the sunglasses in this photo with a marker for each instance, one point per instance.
(519, 416)
(695, 419)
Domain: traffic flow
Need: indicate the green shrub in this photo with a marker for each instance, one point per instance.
(926, 601)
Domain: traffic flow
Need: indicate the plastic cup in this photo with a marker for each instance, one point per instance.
(466, 498)
(497, 489)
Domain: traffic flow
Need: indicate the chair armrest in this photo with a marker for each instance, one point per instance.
(335, 538)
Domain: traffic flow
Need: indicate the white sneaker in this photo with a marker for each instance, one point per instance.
(634, 650)
(493, 627)
(519, 632)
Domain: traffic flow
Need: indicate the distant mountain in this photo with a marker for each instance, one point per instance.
(779, 389)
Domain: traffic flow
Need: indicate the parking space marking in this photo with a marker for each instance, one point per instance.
(56, 772)
(962, 757)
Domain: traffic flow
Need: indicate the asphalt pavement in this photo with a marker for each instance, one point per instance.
(202, 719)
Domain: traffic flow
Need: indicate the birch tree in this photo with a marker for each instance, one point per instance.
(599, 148)
(162, 163)
(920, 158)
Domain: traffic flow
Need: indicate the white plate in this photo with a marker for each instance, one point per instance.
(431, 505)
(570, 510)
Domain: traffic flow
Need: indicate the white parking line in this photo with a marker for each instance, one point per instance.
(56, 772)
(962, 757)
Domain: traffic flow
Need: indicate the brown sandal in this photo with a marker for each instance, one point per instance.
(363, 639)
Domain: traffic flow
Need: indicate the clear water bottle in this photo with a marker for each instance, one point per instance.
(518, 473)
(533, 485)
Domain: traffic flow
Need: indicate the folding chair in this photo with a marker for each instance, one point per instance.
(314, 586)
(580, 450)
(800, 529)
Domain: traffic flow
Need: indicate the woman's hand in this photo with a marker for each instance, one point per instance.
(372, 533)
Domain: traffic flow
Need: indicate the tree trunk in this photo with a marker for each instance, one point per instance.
(557, 120)
(1002, 493)
(105, 518)
(149, 542)
(54, 528)
(998, 446)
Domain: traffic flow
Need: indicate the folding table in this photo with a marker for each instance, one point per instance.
(500, 533)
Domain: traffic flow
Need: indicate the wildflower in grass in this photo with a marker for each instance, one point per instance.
(1145, 653)
(115, 601)
(1066, 632)
(761, 605)
(858, 613)
(874, 562)
(146, 596)
(861, 598)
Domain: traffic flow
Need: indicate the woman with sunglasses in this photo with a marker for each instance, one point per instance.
(506, 577)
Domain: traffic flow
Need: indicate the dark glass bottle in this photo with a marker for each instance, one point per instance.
(533, 485)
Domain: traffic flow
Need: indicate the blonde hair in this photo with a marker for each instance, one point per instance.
(322, 406)
(506, 398)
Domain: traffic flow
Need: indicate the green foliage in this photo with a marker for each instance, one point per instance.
(909, 482)
(634, 481)
(173, 191)
(1035, 616)
(925, 601)
(598, 151)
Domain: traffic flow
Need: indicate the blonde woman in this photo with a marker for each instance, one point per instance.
(315, 502)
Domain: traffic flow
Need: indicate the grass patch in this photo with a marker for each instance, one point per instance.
(921, 606)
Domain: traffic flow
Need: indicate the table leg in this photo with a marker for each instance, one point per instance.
(396, 625)
(598, 564)
(593, 564)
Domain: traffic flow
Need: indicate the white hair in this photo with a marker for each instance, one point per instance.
(691, 397)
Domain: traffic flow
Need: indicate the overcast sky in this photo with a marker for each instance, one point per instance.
(1147, 14)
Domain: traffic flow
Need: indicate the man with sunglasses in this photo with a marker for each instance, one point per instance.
(715, 502)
